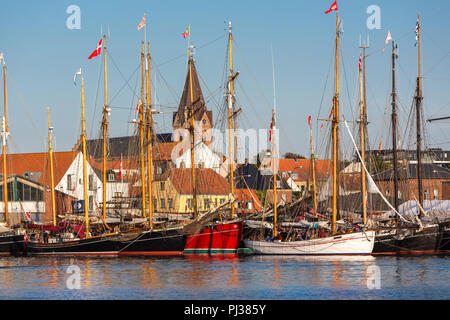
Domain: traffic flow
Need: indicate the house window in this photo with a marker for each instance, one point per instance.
(190, 203)
(118, 194)
(91, 182)
(222, 200)
(206, 203)
(162, 185)
(91, 203)
(69, 182)
(155, 203)
(111, 177)
(425, 195)
(170, 203)
(163, 204)
(436, 194)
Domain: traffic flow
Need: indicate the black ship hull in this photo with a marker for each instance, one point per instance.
(11, 244)
(168, 242)
(444, 246)
(408, 242)
(105, 245)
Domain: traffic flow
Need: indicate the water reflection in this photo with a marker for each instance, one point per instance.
(206, 277)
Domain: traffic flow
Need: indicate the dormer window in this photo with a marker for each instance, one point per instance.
(111, 177)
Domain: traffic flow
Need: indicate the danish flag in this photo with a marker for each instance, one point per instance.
(333, 7)
(97, 50)
(142, 24)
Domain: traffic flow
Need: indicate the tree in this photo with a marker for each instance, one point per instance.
(290, 155)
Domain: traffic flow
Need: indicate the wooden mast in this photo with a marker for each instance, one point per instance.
(230, 120)
(394, 130)
(275, 217)
(105, 128)
(335, 123)
(313, 170)
(50, 154)
(418, 99)
(192, 137)
(141, 133)
(85, 187)
(4, 138)
(362, 122)
(149, 123)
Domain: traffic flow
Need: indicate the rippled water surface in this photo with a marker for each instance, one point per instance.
(248, 277)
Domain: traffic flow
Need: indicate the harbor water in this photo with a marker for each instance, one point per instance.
(230, 278)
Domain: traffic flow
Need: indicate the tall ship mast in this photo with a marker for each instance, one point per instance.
(230, 119)
(105, 128)
(418, 100)
(4, 139)
(306, 242)
(335, 134)
(50, 155)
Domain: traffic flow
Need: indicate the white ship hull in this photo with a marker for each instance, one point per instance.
(358, 243)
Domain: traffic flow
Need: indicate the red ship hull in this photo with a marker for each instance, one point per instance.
(220, 238)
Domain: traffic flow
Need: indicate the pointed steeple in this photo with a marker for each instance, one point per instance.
(180, 118)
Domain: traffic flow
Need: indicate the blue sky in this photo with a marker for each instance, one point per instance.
(42, 55)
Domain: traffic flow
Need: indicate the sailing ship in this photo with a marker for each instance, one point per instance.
(420, 234)
(338, 242)
(222, 236)
(11, 240)
(151, 239)
(65, 238)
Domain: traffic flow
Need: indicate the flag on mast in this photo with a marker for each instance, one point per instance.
(75, 76)
(270, 131)
(360, 55)
(332, 8)
(142, 23)
(187, 32)
(309, 121)
(387, 40)
(97, 50)
(417, 32)
(1, 56)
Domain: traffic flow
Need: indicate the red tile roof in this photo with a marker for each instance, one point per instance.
(20, 163)
(208, 181)
(303, 167)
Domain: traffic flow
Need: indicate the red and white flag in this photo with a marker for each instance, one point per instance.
(270, 131)
(360, 55)
(332, 8)
(97, 50)
(309, 121)
(387, 40)
(1, 56)
(142, 23)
